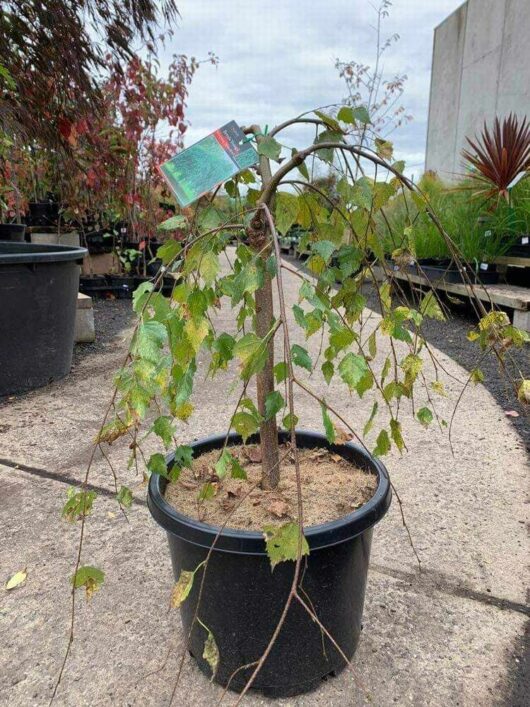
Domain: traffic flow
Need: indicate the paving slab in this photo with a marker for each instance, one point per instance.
(451, 635)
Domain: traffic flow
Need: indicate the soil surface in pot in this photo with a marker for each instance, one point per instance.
(331, 488)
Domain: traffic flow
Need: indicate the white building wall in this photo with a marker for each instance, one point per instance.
(481, 68)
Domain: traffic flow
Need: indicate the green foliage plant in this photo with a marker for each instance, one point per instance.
(381, 358)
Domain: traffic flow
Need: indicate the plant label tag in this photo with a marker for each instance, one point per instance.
(524, 240)
(483, 266)
(203, 166)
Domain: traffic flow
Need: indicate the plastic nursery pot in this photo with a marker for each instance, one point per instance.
(38, 295)
(12, 232)
(242, 599)
(122, 285)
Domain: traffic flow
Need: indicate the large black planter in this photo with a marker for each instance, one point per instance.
(38, 301)
(242, 598)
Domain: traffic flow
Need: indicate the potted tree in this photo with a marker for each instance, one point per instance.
(271, 582)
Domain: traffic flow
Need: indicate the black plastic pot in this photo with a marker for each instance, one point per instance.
(43, 213)
(99, 242)
(122, 285)
(521, 248)
(38, 302)
(14, 232)
(242, 599)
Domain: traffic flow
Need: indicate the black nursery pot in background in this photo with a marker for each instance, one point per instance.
(242, 598)
(12, 232)
(38, 296)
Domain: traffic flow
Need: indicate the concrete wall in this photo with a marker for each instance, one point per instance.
(480, 69)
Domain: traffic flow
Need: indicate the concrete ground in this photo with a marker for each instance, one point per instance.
(450, 636)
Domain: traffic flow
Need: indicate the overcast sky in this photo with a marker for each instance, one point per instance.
(276, 59)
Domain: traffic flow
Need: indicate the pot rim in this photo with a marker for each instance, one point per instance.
(12, 252)
(252, 542)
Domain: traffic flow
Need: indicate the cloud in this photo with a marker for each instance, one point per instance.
(277, 60)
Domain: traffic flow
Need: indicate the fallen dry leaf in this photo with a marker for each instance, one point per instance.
(190, 485)
(253, 454)
(278, 507)
(16, 580)
(342, 435)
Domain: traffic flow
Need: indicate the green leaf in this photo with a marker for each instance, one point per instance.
(329, 121)
(328, 369)
(252, 353)
(150, 338)
(78, 505)
(138, 298)
(207, 492)
(328, 425)
(157, 464)
(182, 588)
(325, 249)
(89, 577)
(350, 115)
(476, 376)
(245, 424)
(425, 416)
(281, 372)
(247, 281)
(365, 384)
(372, 345)
(274, 402)
(282, 543)
(290, 421)
(429, 307)
(326, 154)
(302, 168)
(395, 431)
(361, 115)
(125, 497)
(183, 456)
(286, 211)
(168, 251)
(299, 316)
(173, 223)
(382, 444)
(268, 147)
(352, 369)
(341, 338)
(345, 114)
(300, 357)
(211, 653)
(370, 421)
(209, 267)
(229, 464)
(163, 428)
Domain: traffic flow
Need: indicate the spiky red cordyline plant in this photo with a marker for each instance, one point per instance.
(499, 156)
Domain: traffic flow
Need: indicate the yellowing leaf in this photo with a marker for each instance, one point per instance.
(282, 543)
(89, 577)
(211, 653)
(196, 332)
(438, 387)
(182, 588)
(524, 392)
(16, 580)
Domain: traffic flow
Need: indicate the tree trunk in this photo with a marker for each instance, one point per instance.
(258, 237)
